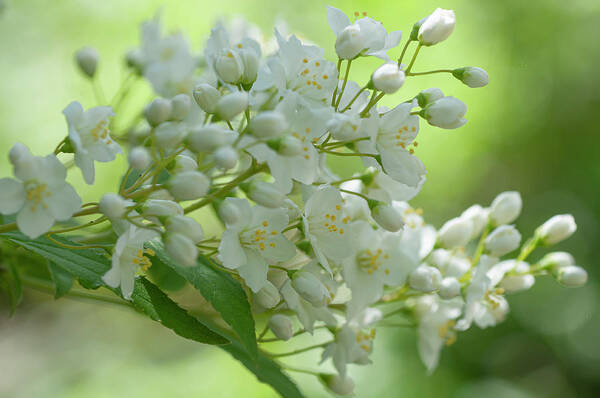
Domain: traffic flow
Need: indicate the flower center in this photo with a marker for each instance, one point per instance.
(101, 131)
(260, 237)
(371, 261)
(142, 261)
(35, 192)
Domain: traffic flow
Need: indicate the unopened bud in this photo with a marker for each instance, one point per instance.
(425, 278)
(158, 111)
(572, 276)
(557, 229)
(446, 113)
(286, 146)
(437, 27)
(428, 96)
(350, 42)
(188, 185)
(478, 216)
(502, 240)
(268, 296)
(505, 208)
(250, 61)
(170, 134)
(87, 60)
(229, 66)
(185, 226)
(181, 249)
(265, 194)
(161, 208)
(337, 384)
(310, 288)
(184, 163)
(208, 138)
(556, 260)
(268, 124)
(135, 60)
(387, 217)
(139, 158)
(113, 206)
(181, 106)
(281, 326)
(226, 157)
(449, 288)
(456, 232)
(231, 105)
(388, 78)
(206, 97)
(229, 212)
(472, 76)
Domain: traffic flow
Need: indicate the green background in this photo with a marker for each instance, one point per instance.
(533, 129)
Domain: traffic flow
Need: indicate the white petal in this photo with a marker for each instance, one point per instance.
(12, 195)
(254, 271)
(51, 170)
(113, 277)
(63, 202)
(73, 113)
(34, 223)
(393, 39)
(127, 281)
(337, 19)
(86, 164)
(231, 253)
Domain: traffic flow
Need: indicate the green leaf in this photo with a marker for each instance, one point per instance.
(165, 277)
(153, 302)
(223, 292)
(10, 282)
(63, 280)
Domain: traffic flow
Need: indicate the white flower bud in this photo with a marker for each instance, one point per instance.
(517, 283)
(250, 61)
(229, 66)
(472, 76)
(342, 127)
(502, 240)
(158, 111)
(572, 276)
(113, 206)
(478, 216)
(186, 226)
(265, 194)
(226, 157)
(557, 229)
(181, 105)
(505, 208)
(268, 124)
(437, 27)
(281, 326)
(289, 146)
(181, 249)
(310, 288)
(188, 185)
(231, 105)
(337, 384)
(87, 60)
(268, 296)
(425, 278)
(206, 97)
(229, 213)
(388, 78)
(184, 163)
(449, 288)
(139, 158)
(161, 208)
(387, 217)
(170, 134)
(350, 42)
(447, 113)
(456, 232)
(135, 60)
(428, 96)
(208, 138)
(556, 260)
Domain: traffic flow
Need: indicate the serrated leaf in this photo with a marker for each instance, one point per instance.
(153, 302)
(223, 292)
(63, 280)
(165, 277)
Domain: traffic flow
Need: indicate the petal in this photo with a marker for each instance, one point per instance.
(73, 113)
(51, 170)
(279, 249)
(254, 271)
(113, 277)
(63, 202)
(337, 19)
(34, 223)
(402, 166)
(127, 281)
(12, 195)
(86, 164)
(393, 39)
(231, 253)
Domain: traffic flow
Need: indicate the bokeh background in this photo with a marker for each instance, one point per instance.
(533, 129)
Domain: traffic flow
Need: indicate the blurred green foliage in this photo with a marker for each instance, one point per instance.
(532, 129)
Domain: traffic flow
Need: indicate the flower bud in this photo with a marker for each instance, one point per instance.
(170, 134)
(229, 213)
(139, 158)
(505, 208)
(446, 113)
(226, 157)
(342, 127)
(425, 278)
(337, 384)
(268, 124)
(229, 66)
(286, 145)
(388, 78)
(208, 138)
(472, 76)
(206, 97)
(231, 105)
(87, 60)
(310, 288)
(158, 111)
(181, 106)
(185, 226)
(556, 260)
(250, 61)
(557, 229)
(350, 42)
(502, 240)
(265, 194)
(135, 60)
(387, 217)
(181, 249)
(478, 216)
(281, 326)
(268, 296)
(456, 232)
(184, 163)
(428, 96)
(437, 27)
(113, 206)
(449, 288)
(572, 276)
(161, 208)
(517, 283)
(188, 185)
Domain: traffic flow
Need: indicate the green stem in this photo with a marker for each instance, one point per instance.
(481, 245)
(403, 52)
(414, 58)
(355, 193)
(431, 72)
(299, 351)
(353, 99)
(372, 103)
(337, 103)
(339, 66)
(348, 153)
(528, 247)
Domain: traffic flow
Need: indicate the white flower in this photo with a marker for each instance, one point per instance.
(456, 232)
(87, 60)
(557, 229)
(254, 241)
(90, 136)
(39, 195)
(388, 78)
(505, 208)
(472, 76)
(502, 240)
(437, 27)
(572, 276)
(447, 113)
(281, 326)
(377, 260)
(128, 255)
(326, 226)
(362, 38)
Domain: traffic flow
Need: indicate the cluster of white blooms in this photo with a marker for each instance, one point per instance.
(248, 135)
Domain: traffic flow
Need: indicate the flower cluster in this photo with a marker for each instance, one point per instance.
(247, 134)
